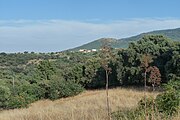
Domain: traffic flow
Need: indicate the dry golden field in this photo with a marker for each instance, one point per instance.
(89, 105)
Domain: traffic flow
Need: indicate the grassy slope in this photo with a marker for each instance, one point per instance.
(173, 34)
(98, 43)
(90, 105)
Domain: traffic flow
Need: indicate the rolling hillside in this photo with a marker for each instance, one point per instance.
(115, 43)
(173, 34)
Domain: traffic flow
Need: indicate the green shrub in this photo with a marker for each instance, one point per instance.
(127, 114)
(5, 93)
(137, 113)
(168, 102)
(34, 91)
(20, 96)
(165, 105)
(19, 101)
(62, 88)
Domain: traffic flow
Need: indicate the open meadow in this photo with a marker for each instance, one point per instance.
(90, 105)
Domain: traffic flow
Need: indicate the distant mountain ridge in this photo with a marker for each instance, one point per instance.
(173, 34)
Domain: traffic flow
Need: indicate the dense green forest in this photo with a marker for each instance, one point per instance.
(28, 77)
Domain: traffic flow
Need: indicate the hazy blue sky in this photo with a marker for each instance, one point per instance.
(54, 25)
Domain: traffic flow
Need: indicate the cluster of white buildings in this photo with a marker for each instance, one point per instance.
(87, 51)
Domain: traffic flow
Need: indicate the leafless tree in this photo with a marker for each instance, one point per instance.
(106, 56)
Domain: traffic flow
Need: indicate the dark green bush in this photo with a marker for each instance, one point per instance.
(62, 88)
(165, 105)
(20, 95)
(168, 102)
(34, 91)
(19, 101)
(127, 114)
(5, 93)
(137, 113)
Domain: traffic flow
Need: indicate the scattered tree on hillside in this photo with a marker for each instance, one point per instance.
(146, 59)
(154, 78)
(106, 57)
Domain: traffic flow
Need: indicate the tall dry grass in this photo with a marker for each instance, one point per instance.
(90, 105)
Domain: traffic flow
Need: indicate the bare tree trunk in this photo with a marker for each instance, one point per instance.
(146, 116)
(153, 104)
(107, 96)
(13, 84)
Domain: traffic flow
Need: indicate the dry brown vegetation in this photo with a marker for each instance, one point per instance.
(90, 105)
